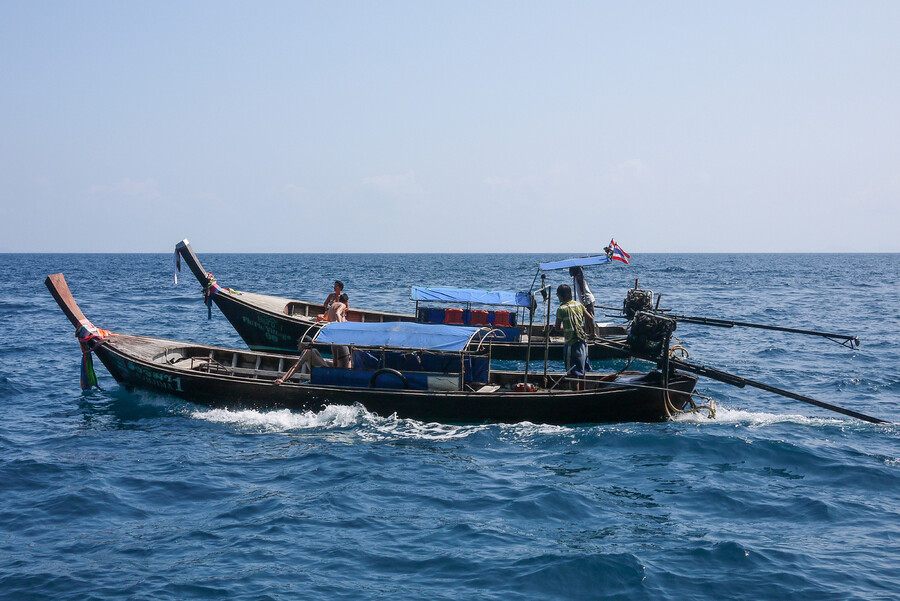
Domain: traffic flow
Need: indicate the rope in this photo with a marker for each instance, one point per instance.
(627, 366)
(89, 338)
(695, 408)
(683, 352)
(559, 381)
(210, 290)
(670, 408)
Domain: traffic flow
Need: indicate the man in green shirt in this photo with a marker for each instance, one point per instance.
(577, 323)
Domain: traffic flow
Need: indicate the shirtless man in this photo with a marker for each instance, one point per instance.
(337, 311)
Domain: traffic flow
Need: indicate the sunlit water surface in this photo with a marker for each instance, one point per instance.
(132, 495)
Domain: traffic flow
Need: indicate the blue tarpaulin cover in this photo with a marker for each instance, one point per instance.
(507, 298)
(397, 334)
(577, 262)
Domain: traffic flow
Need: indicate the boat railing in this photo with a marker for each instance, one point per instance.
(314, 310)
(203, 364)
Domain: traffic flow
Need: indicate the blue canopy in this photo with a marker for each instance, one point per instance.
(470, 295)
(577, 262)
(397, 334)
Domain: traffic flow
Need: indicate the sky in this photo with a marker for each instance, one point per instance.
(450, 126)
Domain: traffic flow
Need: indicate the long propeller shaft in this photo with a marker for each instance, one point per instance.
(741, 382)
(846, 339)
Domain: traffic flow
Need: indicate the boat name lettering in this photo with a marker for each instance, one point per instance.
(156, 379)
(269, 327)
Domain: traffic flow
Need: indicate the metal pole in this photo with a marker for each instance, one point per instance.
(546, 326)
(740, 382)
(528, 349)
(724, 323)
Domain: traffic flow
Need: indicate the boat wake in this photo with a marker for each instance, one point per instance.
(369, 426)
(285, 420)
(739, 417)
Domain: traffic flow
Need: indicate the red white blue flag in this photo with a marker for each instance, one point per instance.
(615, 252)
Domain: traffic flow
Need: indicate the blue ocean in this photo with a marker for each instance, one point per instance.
(111, 494)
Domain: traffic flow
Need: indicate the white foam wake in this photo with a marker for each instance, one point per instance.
(755, 418)
(368, 426)
(283, 420)
(335, 417)
(372, 427)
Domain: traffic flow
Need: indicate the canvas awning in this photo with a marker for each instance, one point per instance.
(397, 334)
(440, 294)
(576, 262)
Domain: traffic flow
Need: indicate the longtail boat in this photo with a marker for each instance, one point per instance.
(272, 323)
(428, 372)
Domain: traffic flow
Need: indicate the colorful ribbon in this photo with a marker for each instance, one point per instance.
(89, 338)
(210, 290)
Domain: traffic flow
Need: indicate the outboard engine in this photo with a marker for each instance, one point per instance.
(649, 335)
(637, 300)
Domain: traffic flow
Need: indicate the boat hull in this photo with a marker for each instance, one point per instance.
(219, 376)
(268, 331)
(640, 399)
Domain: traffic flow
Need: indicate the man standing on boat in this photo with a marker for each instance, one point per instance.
(576, 323)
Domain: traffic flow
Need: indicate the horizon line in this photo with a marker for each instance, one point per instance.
(574, 254)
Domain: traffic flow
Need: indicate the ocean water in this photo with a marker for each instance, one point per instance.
(111, 494)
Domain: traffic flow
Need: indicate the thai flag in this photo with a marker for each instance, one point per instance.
(615, 252)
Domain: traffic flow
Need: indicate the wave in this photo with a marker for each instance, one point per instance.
(732, 417)
(284, 420)
(371, 427)
(9, 388)
(17, 306)
(874, 385)
(368, 426)
(773, 351)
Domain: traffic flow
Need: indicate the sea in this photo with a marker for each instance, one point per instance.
(110, 494)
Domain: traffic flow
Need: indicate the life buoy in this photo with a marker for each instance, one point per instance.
(388, 370)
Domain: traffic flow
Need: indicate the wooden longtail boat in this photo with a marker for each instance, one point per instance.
(271, 323)
(464, 390)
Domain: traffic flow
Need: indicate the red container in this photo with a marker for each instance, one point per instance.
(454, 317)
(478, 318)
(501, 319)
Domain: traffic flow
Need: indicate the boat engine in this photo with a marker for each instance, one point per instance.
(649, 333)
(637, 300)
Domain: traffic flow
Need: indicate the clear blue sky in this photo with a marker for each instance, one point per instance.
(450, 127)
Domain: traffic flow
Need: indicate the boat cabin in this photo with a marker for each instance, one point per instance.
(406, 355)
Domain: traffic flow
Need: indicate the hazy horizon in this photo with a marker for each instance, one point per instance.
(217, 252)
